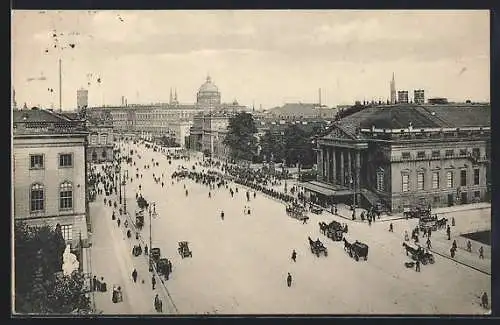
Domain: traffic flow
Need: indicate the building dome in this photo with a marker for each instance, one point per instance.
(208, 87)
(208, 94)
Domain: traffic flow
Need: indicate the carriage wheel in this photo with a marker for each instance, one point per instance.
(431, 260)
(366, 258)
(317, 253)
(326, 253)
(424, 261)
(356, 257)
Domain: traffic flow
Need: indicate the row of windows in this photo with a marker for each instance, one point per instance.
(435, 180)
(102, 139)
(437, 153)
(37, 161)
(37, 197)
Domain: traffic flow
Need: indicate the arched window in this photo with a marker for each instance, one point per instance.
(37, 198)
(380, 179)
(66, 196)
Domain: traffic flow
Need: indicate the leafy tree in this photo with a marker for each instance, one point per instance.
(272, 146)
(298, 146)
(240, 137)
(38, 252)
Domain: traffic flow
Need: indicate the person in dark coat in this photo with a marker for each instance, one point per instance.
(94, 283)
(146, 250)
(429, 246)
(417, 266)
(134, 275)
(153, 281)
(391, 229)
(294, 255)
(481, 252)
(289, 280)
(484, 300)
(452, 252)
(222, 215)
(448, 231)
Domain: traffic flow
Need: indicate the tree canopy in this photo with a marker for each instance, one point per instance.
(240, 137)
(40, 286)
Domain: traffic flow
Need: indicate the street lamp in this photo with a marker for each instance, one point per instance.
(125, 177)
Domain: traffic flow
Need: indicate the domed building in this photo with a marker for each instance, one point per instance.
(208, 94)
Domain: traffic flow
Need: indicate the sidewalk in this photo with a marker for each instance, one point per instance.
(112, 259)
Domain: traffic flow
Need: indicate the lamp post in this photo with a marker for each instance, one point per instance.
(125, 177)
(150, 239)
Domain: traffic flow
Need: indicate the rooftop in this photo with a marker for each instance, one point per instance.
(40, 121)
(400, 116)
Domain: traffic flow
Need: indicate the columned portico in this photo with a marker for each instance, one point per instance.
(342, 163)
(334, 165)
(327, 161)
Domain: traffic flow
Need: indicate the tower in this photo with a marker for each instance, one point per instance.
(175, 96)
(171, 99)
(393, 90)
(82, 98)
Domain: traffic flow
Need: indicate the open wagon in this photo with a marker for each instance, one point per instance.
(359, 250)
(184, 249)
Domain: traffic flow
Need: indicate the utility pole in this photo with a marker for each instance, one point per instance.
(60, 86)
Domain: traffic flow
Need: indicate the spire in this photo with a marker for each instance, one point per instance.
(175, 96)
(170, 95)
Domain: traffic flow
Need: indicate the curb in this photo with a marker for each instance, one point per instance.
(459, 262)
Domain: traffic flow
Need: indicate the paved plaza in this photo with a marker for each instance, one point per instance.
(240, 264)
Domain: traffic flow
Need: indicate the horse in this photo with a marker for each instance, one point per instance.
(347, 245)
(322, 227)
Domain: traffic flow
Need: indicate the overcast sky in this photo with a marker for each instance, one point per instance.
(266, 57)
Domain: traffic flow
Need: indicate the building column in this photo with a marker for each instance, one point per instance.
(327, 167)
(349, 169)
(342, 176)
(357, 177)
(334, 166)
(319, 163)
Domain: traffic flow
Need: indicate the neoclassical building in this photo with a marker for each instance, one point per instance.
(49, 172)
(156, 120)
(405, 154)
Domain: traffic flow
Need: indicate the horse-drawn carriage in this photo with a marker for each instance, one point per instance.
(155, 254)
(316, 209)
(419, 254)
(139, 219)
(184, 249)
(428, 222)
(137, 250)
(296, 211)
(317, 247)
(163, 267)
(418, 211)
(333, 230)
(356, 250)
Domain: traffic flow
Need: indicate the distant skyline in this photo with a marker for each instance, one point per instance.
(262, 57)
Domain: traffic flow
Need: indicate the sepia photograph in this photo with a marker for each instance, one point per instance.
(250, 162)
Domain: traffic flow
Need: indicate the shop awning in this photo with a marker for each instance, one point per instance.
(325, 190)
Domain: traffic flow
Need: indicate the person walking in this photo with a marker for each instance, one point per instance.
(454, 244)
(158, 304)
(484, 300)
(289, 280)
(153, 281)
(294, 255)
(481, 252)
(406, 236)
(146, 250)
(429, 246)
(469, 246)
(134, 275)
(222, 215)
(453, 221)
(452, 252)
(417, 266)
(391, 229)
(448, 232)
